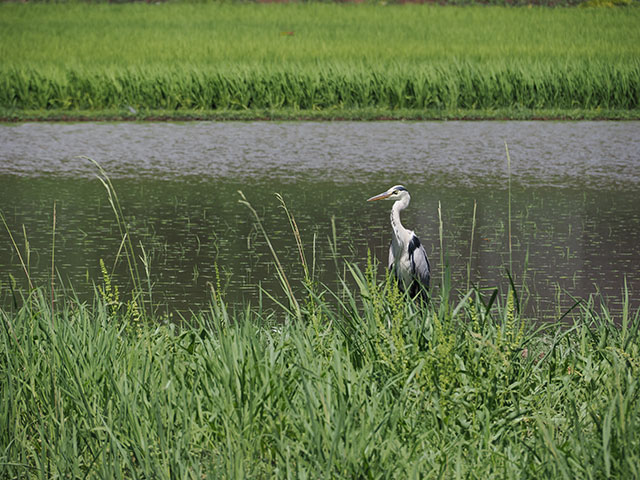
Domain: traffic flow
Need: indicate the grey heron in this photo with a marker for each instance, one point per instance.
(408, 260)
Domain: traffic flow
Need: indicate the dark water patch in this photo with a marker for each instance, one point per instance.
(575, 209)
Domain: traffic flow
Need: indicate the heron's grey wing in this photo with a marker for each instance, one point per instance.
(420, 267)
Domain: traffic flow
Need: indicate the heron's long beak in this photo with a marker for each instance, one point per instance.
(382, 196)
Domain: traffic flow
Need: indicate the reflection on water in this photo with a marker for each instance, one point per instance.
(575, 202)
(434, 154)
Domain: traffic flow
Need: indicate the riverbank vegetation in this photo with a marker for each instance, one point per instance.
(315, 60)
(356, 381)
(374, 387)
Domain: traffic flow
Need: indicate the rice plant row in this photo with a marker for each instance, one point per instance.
(462, 85)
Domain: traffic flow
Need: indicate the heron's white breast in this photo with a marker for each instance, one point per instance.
(403, 267)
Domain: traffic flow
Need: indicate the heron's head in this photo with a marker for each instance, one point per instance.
(397, 192)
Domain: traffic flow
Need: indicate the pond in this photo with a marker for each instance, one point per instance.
(574, 204)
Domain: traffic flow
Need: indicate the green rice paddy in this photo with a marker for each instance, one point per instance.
(315, 60)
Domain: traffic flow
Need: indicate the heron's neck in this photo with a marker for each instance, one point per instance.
(400, 233)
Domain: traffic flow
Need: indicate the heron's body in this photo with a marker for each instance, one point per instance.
(408, 259)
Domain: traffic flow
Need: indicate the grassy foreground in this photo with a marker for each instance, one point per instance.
(315, 60)
(371, 388)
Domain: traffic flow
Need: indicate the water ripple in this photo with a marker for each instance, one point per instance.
(591, 154)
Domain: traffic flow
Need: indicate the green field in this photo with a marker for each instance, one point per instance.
(224, 60)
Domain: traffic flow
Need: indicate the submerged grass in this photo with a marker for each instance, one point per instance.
(355, 383)
(284, 59)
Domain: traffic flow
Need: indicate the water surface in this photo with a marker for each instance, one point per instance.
(575, 202)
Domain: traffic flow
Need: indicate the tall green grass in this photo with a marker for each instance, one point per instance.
(374, 388)
(208, 57)
(353, 382)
